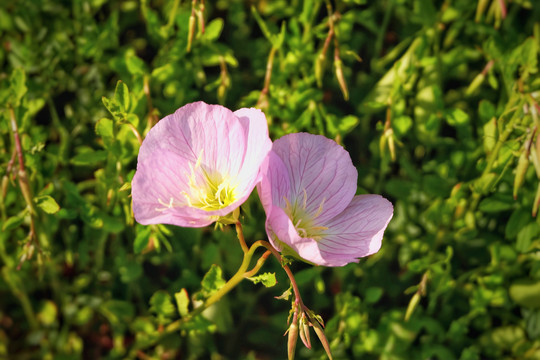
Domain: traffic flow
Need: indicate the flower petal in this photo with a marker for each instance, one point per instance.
(190, 157)
(157, 192)
(357, 231)
(258, 146)
(281, 230)
(275, 184)
(321, 173)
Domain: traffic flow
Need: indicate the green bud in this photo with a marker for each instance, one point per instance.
(304, 331)
(475, 84)
(319, 68)
(536, 201)
(293, 337)
(521, 170)
(191, 31)
(415, 300)
(341, 79)
(5, 183)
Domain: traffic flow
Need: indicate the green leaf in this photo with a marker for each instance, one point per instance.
(401, 125)
(14, 221)
(518, 220)
(213, 30)
(47, 314)
(18, 87)
(161, 304)
(135, 65)
(286, 294)
(128, 268)
(141, 240)
(89, 158)
(47, 204)
(118, 312)
(457, 117)
(212, 281)
(182, 302)
(267, 279)
(373, 294)
(121, 95)
(114, 108)
(526, 236)
(526, 292)
(347, 124)
(496, 203)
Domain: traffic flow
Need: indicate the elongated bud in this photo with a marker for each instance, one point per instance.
(200, 15)
(319, 68)
(191, 31)
(322, 338)
(5, 182)
(538, 147)
(341, 79)
(293, 337)
(304, 331)
(391, 145)
(415, 300)
(521, 170)
(475, 84)
(482, 4)
(536, 201)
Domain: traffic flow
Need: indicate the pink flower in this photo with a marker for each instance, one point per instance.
(308, 192)
(198, 165)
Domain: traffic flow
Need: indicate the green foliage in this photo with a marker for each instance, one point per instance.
(267, 279)
(442, 118)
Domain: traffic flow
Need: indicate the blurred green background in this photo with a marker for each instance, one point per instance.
(436, 101)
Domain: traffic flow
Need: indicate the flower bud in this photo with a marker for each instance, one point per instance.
(536, 201)
(341, 79)
(319, 68)
(191, 31)
(521, 170)
(304, 331)
(293, 337)
(5, 182)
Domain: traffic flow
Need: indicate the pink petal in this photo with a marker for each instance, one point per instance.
(197, 142)
(258, 146)
(275, 183)
(321, 174)
(280, 229)
(158, 182)
(357, 231)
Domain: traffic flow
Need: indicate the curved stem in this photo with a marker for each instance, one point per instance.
(276, 254)
(240, 234)
(258, 265)
(229, 285)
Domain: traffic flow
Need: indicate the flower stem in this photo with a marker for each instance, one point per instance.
(258, 265)
(241, 239)
(229, 285)
(288, 271)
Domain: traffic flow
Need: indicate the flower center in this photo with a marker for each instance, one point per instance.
(217, 195)
(304, 223)
(209, 190)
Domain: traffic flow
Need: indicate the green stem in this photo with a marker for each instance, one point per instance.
(241, 239)
(258, 265)
(229, 285)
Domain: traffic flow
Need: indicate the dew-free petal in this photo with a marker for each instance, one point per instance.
(322, 176)
(275, 183)
(357, 231)
(258, 145)
(192, 166)
(307, 191)
(281, 231)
